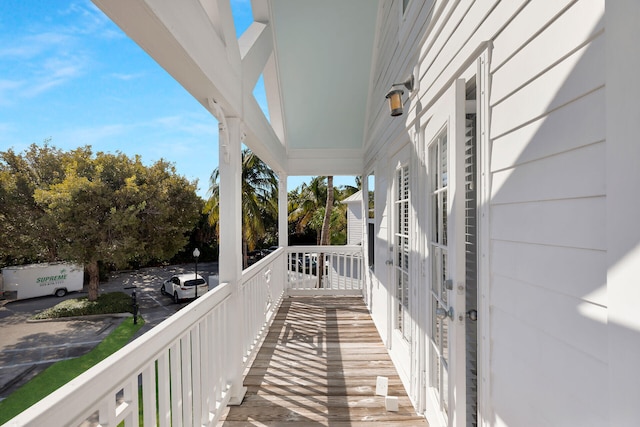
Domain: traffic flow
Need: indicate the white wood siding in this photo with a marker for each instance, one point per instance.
(380, 305)
(547, 236)
(548, 263)
(354, 223)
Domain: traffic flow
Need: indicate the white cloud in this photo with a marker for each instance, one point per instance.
(190, 124)
(50, 56)
(52, 72)
(91, 21)
(6, 127)
(31, 46)
(42, 61)
(94, 136)
(126, 77)
(7, 88)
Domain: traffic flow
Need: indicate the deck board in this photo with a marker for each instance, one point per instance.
(318, 365)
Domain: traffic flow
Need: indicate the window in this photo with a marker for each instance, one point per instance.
(439, 258)
(402, 250)
(371, 220)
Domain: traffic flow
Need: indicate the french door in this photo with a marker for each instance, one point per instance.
(402, 319)
(444, 136)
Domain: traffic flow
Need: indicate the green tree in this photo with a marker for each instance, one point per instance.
(90, 209)
(307, 206)
(25, 230)
(259, 202)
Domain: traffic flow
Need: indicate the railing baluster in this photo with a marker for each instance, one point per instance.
(205, 366)
(219, 359)
(130, 397)
(351, 272)
(196, 371)
(107, 410)
(176, 384)
(342, 270)
(149, 394)
(164, 390)
(187, 403)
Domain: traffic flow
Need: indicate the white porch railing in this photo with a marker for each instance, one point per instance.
(178, 374)
(334, 270)
(261, 292)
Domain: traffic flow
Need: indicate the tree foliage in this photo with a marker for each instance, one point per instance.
(259, 203)
(307, 208)
(90, 209)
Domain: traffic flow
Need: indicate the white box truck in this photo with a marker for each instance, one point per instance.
(36, 280)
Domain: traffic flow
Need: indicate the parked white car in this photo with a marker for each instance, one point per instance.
(184, 286)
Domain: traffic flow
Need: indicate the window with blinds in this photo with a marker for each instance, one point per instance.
(402, 250)
(439, 189)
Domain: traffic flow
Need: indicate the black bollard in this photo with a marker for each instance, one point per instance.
(134, 303)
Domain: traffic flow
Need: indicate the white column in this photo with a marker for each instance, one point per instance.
(364, 178)
(230, 260)
(283, 211)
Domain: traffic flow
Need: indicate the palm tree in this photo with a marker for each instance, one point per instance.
(306, 205)
(308, 209)
(324, 236)
(259, 201)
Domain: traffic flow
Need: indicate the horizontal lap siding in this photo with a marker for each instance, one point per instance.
(354, 225)
(547, 238)
(548, 259)
(395, 55)
(546, 385)
(379, 305)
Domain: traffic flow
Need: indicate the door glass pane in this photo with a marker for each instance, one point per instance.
(436, 254)
(443, 213)
(443, 277)
(371, 221)
(438, 378)
(443, 159)
(402, 250)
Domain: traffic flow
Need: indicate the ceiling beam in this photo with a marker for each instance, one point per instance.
(192, 44)
(256, 46)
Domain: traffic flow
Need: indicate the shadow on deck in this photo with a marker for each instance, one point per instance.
(318, 366)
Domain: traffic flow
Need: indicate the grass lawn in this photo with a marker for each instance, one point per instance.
(64, 371)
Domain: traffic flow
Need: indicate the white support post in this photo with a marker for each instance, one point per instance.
(283, 212)
(230, 261)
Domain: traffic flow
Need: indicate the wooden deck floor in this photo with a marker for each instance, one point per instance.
(318, 367)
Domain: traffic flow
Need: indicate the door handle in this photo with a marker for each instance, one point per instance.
(389, 262)
(441, 313)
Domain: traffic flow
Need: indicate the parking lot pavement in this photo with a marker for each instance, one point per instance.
(26, 348)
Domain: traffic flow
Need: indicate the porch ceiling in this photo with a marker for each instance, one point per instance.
(315, 57)
(323, 52)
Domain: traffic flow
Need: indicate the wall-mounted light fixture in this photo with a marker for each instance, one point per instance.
(395, 95)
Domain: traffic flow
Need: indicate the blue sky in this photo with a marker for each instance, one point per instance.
(68, 74)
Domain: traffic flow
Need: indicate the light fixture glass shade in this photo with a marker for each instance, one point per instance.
(395, 101)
